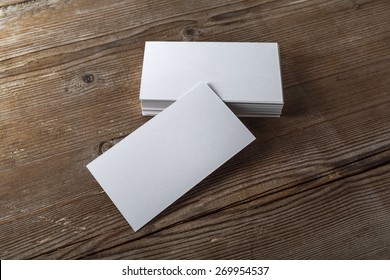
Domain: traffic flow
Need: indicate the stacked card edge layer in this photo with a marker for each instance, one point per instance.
(153, 107)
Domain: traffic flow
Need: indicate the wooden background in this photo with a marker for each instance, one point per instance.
(314, 185)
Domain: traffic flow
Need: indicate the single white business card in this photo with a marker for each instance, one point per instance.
(239, 72)
(167, 156)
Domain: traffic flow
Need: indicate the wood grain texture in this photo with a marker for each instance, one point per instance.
(314, 185)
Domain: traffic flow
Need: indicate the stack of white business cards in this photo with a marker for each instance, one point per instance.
(160, 161)
(246, 76)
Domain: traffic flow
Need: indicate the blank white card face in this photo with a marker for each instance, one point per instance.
(160, 161)
(238, 72)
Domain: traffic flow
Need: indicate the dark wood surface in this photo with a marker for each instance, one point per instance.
(314, 185)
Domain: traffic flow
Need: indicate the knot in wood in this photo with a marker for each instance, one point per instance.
(105, 146)
(88, 78)
(190, 32)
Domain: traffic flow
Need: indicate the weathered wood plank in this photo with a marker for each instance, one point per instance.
(314, 184)
(10, 3)
(332, 221)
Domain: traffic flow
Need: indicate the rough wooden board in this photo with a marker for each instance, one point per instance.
(314, 184)
(9, 3)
